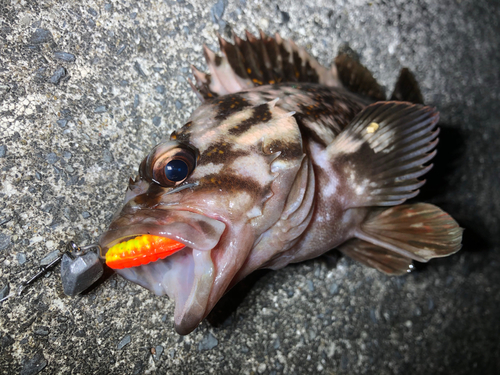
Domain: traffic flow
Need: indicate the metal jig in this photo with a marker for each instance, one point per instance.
(80, 268)
(76, 278)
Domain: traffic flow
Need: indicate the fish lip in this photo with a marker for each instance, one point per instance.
(111, 238)
(186, 276)
(192, 229)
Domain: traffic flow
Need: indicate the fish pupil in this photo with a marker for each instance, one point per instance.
(176, 170)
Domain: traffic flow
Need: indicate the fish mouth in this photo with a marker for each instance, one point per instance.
(187, 276)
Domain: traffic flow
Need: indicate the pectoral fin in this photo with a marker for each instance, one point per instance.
(380, 155)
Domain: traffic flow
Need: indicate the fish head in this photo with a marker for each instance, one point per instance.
(215, 186)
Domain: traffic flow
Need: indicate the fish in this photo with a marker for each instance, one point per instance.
(283, 161)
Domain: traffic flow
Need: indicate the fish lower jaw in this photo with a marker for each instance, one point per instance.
(189, 312)
(186, 277)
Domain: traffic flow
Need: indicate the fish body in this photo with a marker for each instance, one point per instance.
(279, 164)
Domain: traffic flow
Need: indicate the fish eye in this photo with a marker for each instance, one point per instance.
(176, 170)
(174, 166)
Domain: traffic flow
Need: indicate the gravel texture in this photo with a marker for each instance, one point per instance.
(87, 88)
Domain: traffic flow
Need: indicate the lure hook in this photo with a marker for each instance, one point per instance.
(74, 249)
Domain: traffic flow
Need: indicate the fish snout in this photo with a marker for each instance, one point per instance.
(183, 269)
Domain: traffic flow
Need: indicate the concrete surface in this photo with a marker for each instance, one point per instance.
(88, 87)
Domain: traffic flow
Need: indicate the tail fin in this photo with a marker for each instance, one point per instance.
(392, 238)
(255, 62)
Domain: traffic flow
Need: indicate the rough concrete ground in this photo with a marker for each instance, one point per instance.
(88, 87)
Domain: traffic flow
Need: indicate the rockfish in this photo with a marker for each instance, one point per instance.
(283, 161)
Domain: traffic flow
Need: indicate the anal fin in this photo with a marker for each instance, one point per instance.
(376, 257)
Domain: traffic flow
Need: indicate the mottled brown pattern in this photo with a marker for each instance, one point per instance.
(331, 107)
(326, 107)
(306, 132)
(261, 114)
(152, 197)
(357, 78)
(288, 69)
(272, 211)
(266, 95)
(326, 104)
(204, 88)
(289, 150)
(228, 104)
(234, 56)
(233, 183)
(269, 52)
(259, 61)
(250, 60)
(183, 134)
(218, 60)
(220, 152)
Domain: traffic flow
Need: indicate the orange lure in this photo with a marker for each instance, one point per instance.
(141, 250)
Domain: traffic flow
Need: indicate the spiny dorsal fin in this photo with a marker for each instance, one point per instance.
(380, 155)
(407, 89)
(357, 78)
(258, 61)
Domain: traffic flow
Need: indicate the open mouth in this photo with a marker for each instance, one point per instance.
(167, 254)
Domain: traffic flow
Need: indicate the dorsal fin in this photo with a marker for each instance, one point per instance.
(407, 89)
(355, 77)
(258, 61)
